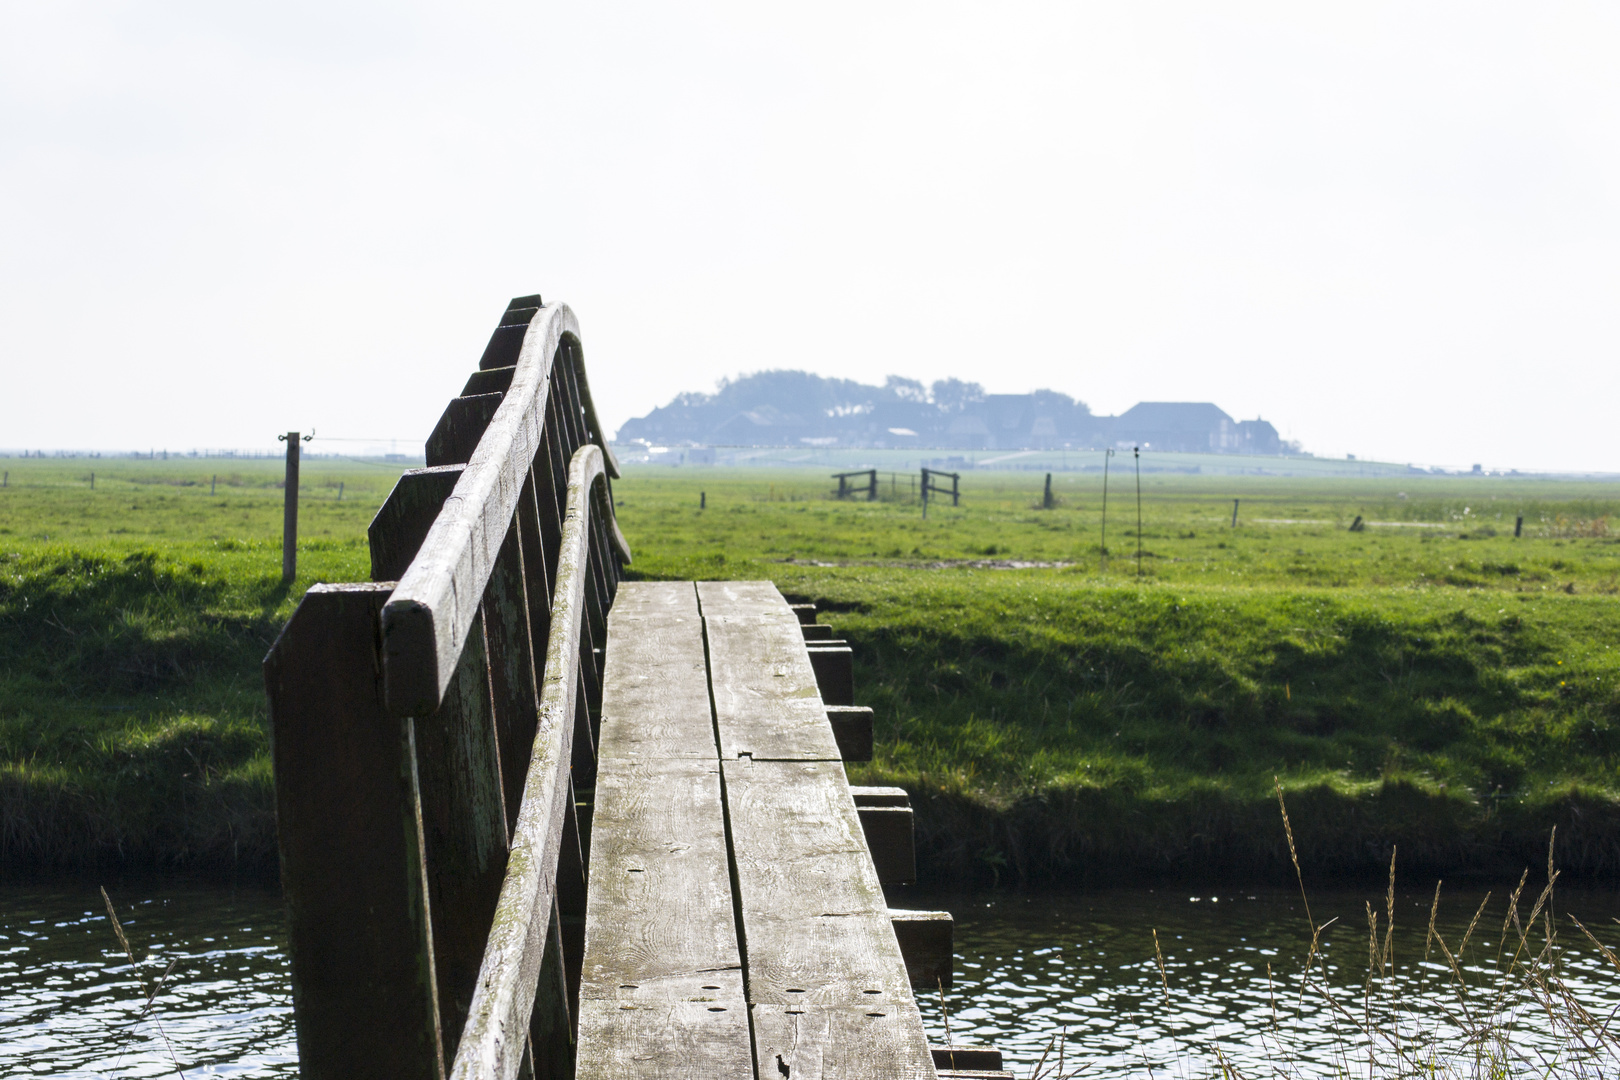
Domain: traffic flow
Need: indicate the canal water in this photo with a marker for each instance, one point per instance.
(1034, 969)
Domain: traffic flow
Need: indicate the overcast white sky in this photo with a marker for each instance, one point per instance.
(1388, 228)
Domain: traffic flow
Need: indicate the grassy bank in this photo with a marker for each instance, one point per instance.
(1431, 681)
(132, 621)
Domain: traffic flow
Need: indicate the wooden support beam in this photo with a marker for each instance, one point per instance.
(880, 796)
(806, 613)
(460, 426)
(834, 667)
(927, 941)
(493, 381)
(852, 731)
(889, 835)
(961, 1058)
(397, 530)
(364, 993)
(816, 631)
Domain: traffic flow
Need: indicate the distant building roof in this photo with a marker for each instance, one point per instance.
(1173, 416)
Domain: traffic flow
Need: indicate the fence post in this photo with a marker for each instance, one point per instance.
(350, 835)
(1046, 500)
(289, 512)
(1234, 513)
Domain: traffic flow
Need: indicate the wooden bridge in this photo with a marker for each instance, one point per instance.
(536, 820)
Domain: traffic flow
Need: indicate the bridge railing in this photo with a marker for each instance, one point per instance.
(429, 728)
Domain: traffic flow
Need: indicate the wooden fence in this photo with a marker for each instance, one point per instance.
(429, 728)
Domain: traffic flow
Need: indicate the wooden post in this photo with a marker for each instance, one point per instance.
(364, 989)
(92, 481)
(1234, 513)
(703, 500)
(871, 489)
(289, 513)
(1046, 500)
(1518, 527)
(212, 480)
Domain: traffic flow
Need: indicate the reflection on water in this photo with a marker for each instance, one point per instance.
(1031, 965)
(1028, 965)
(72, 1006)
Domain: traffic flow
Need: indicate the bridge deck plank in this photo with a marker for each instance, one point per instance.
(827, 984)
(661, 992)
(828, 990)
(656, 686)
(767, 702)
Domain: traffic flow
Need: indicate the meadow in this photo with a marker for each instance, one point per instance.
(1430, 681)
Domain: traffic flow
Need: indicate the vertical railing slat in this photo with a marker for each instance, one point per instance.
(464, 828)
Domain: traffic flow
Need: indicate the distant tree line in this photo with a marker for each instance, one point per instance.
(790, 408)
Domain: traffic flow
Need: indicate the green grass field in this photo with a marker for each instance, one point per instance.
(1430, 681)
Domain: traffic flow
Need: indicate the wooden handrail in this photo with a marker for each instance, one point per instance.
(493, 1040)
(426, 620)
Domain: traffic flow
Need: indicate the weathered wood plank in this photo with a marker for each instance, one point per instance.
(349, 830)
(822, 1042)
(816, 631)
(656, 598)
(661, 993)
(744, 598)
(766, 701)
(667, 1040)
(816, 927)
(657, 680)
(659, 920)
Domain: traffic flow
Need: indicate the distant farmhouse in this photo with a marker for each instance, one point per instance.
(796, 408)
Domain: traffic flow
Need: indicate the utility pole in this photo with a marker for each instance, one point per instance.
(1138, 452)
(289, 519)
